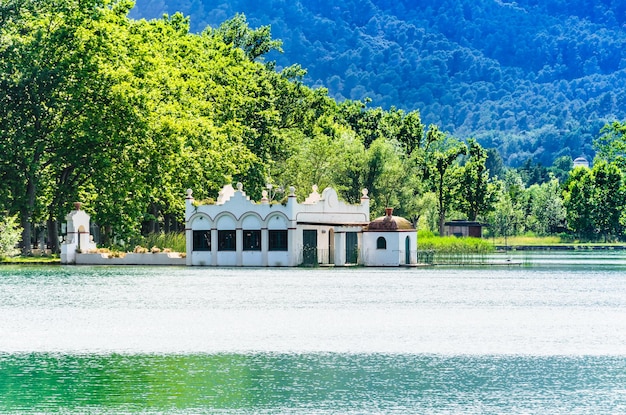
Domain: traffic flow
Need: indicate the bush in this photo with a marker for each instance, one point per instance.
(10, 234)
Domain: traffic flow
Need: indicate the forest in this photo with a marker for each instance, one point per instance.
(125, 114)
(533, 79)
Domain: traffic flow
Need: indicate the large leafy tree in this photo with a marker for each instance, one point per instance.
(478, 193)
(611, 145)
(608, 202)
(546, 207)
(56, 106)
(578, 195)
(254, 42)
(595, 200)
(446, 173)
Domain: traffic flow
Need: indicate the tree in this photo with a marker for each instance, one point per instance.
(445, 173)
(608, 199)
(611, 145)
(594, 200)
(503, 217)
(49, 72)
(384, 174)
(547, 207)
(578, 194)
(478, 193)
(254, 42)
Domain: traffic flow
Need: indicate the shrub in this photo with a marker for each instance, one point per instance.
(10, 234)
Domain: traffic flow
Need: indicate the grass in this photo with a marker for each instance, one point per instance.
(46, 259)
(528, 240)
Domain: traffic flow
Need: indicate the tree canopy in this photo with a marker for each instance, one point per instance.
(125, 115)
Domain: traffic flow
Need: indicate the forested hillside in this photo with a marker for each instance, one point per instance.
(534, 79)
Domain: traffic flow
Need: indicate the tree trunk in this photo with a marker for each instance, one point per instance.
(442, 221)
(26, 215)
(26, 234)
(53, 235)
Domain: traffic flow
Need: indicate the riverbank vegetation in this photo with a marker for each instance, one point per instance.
(124, 115)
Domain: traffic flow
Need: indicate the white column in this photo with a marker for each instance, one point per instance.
(239, 246)
(294, 245)
(340, 248)
(214, 247)
(265, 240)
(188, 243)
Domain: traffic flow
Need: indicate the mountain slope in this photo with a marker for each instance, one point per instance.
(533, 79)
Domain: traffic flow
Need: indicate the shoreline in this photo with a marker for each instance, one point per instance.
(558, 247)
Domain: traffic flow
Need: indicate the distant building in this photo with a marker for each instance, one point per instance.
(462, 228)
(581, 162)
(236, 231)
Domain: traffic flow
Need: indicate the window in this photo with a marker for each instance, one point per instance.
(278, 240)
(381, 243)
(251, 240)
(202, 240)
(226, 240)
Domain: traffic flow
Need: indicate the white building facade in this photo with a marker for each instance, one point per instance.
(235, 231)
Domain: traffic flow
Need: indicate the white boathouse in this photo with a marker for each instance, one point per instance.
(236, 231)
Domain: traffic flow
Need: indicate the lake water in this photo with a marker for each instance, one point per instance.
(546, 337)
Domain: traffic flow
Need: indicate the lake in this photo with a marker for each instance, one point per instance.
(547, 336)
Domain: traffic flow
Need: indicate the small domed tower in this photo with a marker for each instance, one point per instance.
(390, 241)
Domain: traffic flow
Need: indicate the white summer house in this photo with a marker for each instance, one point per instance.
(235, 231)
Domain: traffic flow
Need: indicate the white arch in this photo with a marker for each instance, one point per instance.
(277, 220)
(200, 222)
(226, 221)
(251, 220)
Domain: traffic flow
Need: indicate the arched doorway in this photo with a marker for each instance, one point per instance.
(407, 251)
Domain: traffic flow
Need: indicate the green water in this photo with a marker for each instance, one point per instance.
(548, 337)
(312, 383)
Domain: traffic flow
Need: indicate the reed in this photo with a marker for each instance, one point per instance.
(453, 250)
(172, 241)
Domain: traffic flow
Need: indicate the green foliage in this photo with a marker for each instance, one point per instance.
(254, 42)
(124, 115)
(547, 213)
(9, 236)
(595, 201)
(478, 192)
(534, 79)
(611, 145)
